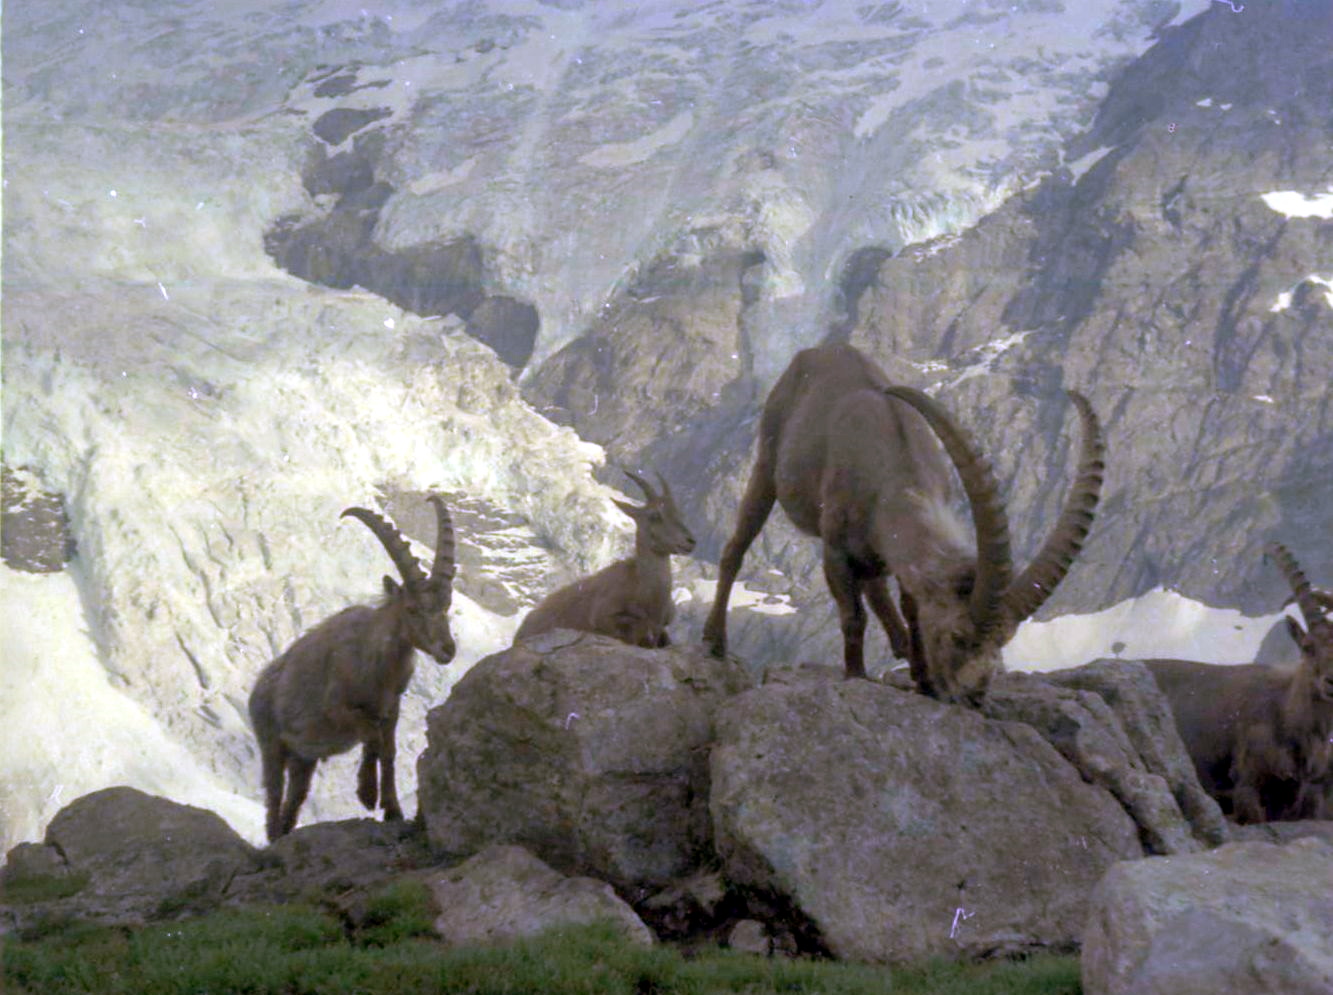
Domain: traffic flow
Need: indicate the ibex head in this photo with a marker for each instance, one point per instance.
(659, 522)
(971, 609)
(425, 599)
(1315, 639)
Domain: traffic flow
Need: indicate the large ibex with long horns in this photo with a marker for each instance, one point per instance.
(858, 463)
(1260, 736)
(629, 600)
(340, 683)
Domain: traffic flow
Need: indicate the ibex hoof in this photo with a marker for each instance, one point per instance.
(394, 814)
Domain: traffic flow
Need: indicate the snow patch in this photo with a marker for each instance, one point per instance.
(1294, 204)
(1157, 624)
(742, 597)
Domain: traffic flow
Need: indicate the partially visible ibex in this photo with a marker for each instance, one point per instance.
(340, 683)
(630, 599)
(1261, 737)
(857, 463)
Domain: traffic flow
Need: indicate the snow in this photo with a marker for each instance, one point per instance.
(1294, 204)
(743, 598)
(1283, 300)
(1157, 624)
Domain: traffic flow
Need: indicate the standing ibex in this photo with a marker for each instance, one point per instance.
(855, 462)
(631, 599)
(1261, 737)
(340, 683)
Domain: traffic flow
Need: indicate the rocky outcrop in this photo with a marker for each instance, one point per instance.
(120, 855)
(590, 753)
(897, 827)
(1112, 724)
(505, 893)
(1245, 919)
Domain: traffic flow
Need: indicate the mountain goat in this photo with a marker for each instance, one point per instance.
(1261, 737)
(858, 463)
(340, 683)
(631, 599)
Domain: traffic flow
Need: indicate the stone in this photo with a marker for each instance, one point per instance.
(1244, 919)
(589, 752)
(898, 827)
(749, 936)
(1131, 693)
(1089, 733)
(505, 893)
(135, 856)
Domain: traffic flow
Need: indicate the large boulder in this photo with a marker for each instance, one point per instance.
(505, 893)
(590, 753)
(900, 827)
(1244, 919)
(122, 856)
(1110, 721)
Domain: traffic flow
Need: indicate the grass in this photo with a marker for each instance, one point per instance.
(386, 948)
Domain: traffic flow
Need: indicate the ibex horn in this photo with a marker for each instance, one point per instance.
(643, 484)
(1034, 585)
(994, 559)
(1305, 596)
(394, 544)
(442, 569)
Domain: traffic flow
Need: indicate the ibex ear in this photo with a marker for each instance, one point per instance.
(633, 510)
(391, 586)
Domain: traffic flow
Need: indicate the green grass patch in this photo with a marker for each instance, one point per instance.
(301, 950)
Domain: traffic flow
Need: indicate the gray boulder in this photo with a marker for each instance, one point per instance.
(1129, 690)
(898, 827)
(122, 856)
(590, 753)
(1110, 721)
(1244, 919)
(505, 893)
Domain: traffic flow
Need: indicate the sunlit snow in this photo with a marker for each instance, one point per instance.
(1295, 204)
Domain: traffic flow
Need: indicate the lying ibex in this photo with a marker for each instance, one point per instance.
(1260, 736)
(855, 462)
(630, 599)
(340, 683)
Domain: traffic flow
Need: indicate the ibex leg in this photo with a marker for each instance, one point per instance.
(273, 757)
(367, 777)
(299, 772)
(877, 593)
(916, 650)
(760, 494)
(387, 748)
(846, 590)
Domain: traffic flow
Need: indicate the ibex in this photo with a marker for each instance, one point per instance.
(631, 599)
(340, 683)
(856, 462)
(1261, 737)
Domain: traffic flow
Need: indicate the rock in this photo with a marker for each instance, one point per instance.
(134, 857)
(591, 753)
(330, 858)
(749, 936)
(901, 828)
(1130, 691)
(1244, 919)
(1088, 733)
(1281, 832)
(505, 893)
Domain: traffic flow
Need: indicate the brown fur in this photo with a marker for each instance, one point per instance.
(859, 463)
(631, 599)
(340, 683)
(1260, 736)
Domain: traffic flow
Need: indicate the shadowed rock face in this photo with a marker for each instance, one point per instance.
(35, 533)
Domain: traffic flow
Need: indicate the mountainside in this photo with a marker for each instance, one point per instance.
(265, 261)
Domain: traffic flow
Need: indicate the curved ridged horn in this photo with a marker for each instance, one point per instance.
(1305, 596)
(994, 560)
(1034, 585)
(442, 569)
(643, 484)
(394, 544)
